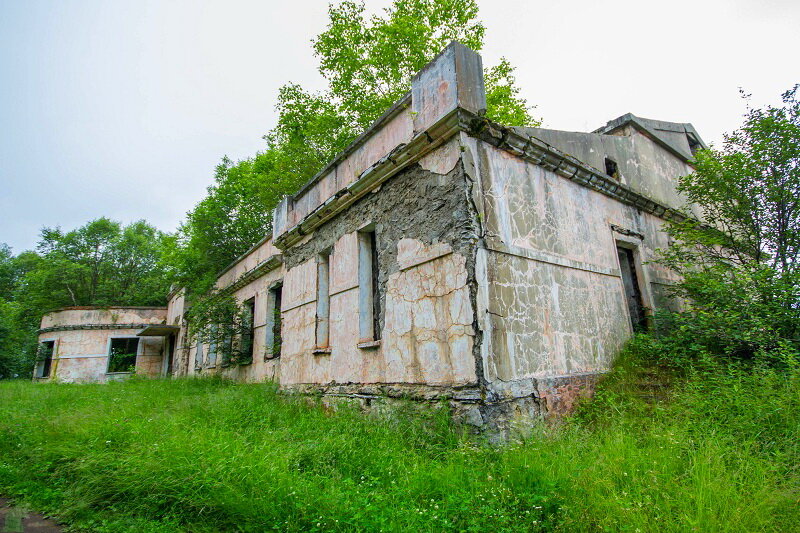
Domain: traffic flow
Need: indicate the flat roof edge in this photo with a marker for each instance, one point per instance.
(105, 307)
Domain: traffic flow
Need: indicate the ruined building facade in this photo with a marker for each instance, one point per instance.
(443, 256)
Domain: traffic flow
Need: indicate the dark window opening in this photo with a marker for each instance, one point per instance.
(122, 355)
(694, 145)
(212, 347)
(274, 339)
(611, 168)
(248, 330)
(45, 358)
(376, 297)
(226, 348)
(323, 300)
(198, 356)
(630, 284)
(369, 298)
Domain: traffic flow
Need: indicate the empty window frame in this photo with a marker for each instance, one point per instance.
(248, 330)
(323, 301)
(273, 338)
(198, 355)
(122, 354)
(44, 358)
(611, 168)
(212, 348)
(226, 345)
(369, 301)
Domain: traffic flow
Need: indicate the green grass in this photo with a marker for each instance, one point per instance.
(720, 454)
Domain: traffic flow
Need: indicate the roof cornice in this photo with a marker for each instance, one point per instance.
(540, 153)
(530, 149)
(387, 166)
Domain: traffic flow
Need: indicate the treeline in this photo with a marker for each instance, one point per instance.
(100, 263)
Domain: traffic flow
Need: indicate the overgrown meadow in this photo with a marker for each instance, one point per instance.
(713, 447)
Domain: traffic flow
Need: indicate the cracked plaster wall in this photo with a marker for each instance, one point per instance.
(253, 258)
(426, 235)
(644, 165)
(105, 315)
(176, 307)
(551, 299)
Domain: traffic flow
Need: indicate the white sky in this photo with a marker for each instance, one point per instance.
(123, 109)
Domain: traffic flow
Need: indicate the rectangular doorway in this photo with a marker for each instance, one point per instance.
(633, 294)
(45, 359)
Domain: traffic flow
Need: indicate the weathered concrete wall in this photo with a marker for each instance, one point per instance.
(644, 165)
(265, 365)
(176, 307)
(81, 337)
(425, 243)
(397, 130)
(551, 300)
(73, 316)
(452, 80)
(257, 255)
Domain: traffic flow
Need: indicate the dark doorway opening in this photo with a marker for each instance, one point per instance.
(170, 355)
(630, 282)
(46, 349)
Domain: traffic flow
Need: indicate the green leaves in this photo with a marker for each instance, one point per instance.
(503, 103)
(369, 62)
(740, 269)
(100, 263)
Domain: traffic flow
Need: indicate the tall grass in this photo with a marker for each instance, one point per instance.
(720, 453)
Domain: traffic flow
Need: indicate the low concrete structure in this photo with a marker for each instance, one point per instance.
(99, 343)
(445, 257)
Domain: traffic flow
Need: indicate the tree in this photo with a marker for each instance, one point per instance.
(10, 339)
(100, 263)
(741, 276)
(368, 64)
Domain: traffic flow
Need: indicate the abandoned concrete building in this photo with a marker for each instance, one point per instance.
(99, 344)
(441, 256)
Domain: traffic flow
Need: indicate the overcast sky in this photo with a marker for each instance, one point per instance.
(122, 109)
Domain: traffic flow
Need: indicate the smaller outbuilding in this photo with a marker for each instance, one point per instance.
(101, 343)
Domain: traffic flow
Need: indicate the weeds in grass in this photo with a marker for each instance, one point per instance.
(720, 452)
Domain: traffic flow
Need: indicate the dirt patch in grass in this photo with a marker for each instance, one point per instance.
(18, 520)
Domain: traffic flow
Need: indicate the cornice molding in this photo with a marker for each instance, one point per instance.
(77, 327)
(530, 149)
(268, 265)
(387, 166)
(540, 153)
